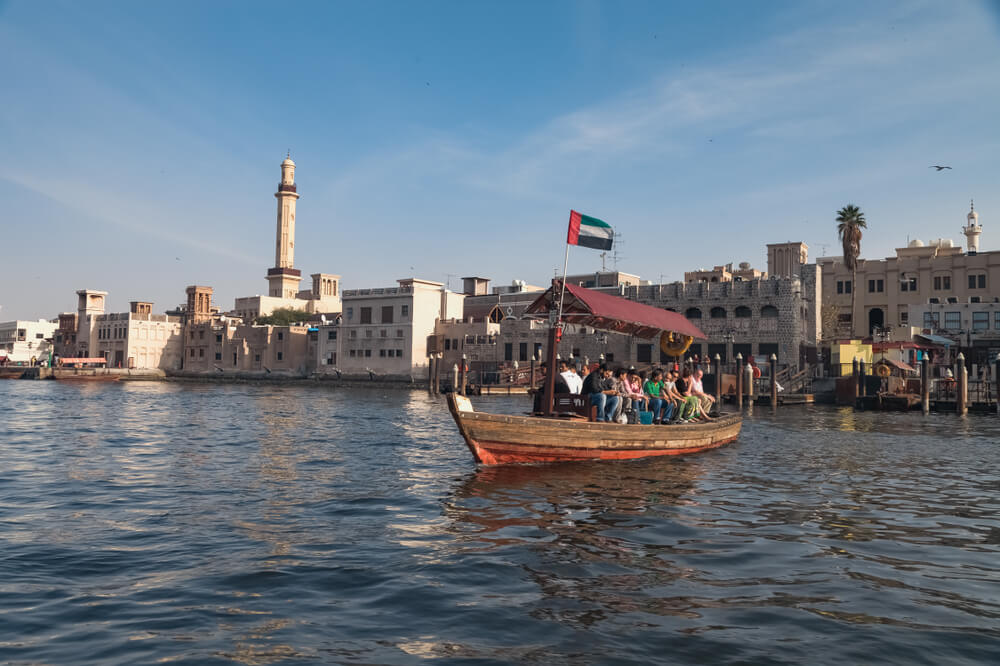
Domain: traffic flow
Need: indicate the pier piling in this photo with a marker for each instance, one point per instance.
(857, 381)
(465, 373)
(430, 373)
(774, 383)
(748, 382)
(962, 399)
(925, 385)
(861, 378)
(739, 381)
(454, 378)
(718, 381)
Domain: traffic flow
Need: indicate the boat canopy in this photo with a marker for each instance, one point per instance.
(587, 307)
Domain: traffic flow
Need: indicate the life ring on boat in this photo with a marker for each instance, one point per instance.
(883, 371)
(756, 372)
(674, 344)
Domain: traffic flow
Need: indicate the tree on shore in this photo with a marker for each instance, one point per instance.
(283, 317)
(850, 222)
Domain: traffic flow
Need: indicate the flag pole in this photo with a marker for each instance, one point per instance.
(562, 294)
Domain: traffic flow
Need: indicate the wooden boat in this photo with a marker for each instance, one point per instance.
(497, 439)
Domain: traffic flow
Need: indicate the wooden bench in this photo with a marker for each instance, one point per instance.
(569, 405)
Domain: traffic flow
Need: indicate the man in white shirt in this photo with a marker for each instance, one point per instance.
(698, 390)
(573, 380)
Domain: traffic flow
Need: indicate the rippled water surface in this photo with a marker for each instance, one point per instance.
(145, 522)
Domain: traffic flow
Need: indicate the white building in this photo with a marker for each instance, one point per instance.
(21, 341)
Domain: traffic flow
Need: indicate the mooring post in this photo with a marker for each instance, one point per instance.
(718, 381)
(861, 374)
(962, 401)
(996, 380)
(748, 380)
(430, 373)
(465, 372)
(774, 382)
(454, 378)
(856, 382)
(531, 379)
(437, 372)
(925, 384)
(739, 381)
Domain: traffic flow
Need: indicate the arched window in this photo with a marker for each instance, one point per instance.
(718, 313)
(693, 313)
(769, 311)
(743, 312)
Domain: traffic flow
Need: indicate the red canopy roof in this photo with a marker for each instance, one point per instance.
(587, 307)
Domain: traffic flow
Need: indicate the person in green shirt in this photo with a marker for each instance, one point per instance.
(653, 388)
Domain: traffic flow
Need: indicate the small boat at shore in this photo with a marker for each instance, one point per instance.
(560, 431)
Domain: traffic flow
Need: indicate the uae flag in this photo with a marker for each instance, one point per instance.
(589, 232)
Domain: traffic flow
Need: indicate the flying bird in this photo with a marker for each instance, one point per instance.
(939, 167)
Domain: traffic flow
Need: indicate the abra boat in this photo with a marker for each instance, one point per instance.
(562, 431)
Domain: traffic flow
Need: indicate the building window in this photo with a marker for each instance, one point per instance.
(454, 343)
(350, 314)
(847, 286)
(769, 311)
(404, 310)
(932, 319)
(201, 334)
(977, 281)
(875, 286)
(952, 321)
(191, 354)
(447, 344)
(331, 335)
(942, 283)
(281, 336)
(743, 312)
(218, 338)
(256, 358)
(576, 352)
(381, 352)
(368, 332)
(218, 356)
(386, 314)
(980, 321)
(904, 318)
(399, 332)
(201, 353)
(383, 333)
(644, 353)
(840, 286)
(692, 313)
(354, 334)
(522, 351)
(280, 356)
(908, 284)
(508, 351)
(538, 350)
(353, 353)
(368, 353)
(366, 315)
(717, 313)
(996, 320)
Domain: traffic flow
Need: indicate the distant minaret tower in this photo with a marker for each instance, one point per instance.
(284, 278)
(972, 229)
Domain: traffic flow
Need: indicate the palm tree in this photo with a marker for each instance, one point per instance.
(850, 222)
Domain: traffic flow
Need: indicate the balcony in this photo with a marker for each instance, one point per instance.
(285, 187)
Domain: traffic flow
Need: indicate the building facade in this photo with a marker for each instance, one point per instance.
(21, 341)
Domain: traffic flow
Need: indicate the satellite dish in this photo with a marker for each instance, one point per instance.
(222, 319)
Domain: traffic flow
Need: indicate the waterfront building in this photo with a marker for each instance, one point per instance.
(725, 274)
(225, 345)
(283, 278)
(21, 340)
(384, 332)
(935, 285)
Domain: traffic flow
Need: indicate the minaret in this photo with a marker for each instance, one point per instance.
(284, 278)
(972, 229)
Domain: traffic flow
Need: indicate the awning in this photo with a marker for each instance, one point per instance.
(936, 339)
(586, 307)
(897, 364)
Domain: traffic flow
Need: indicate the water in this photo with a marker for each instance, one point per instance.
(145, 522)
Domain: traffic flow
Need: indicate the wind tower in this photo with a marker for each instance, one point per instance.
(284, 278)
(972, 229)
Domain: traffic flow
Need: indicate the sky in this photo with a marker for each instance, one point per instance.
(140, 143)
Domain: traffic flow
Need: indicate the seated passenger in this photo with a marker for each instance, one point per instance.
(653, 389)
(633, 388)
(573, 380)
(600, 386)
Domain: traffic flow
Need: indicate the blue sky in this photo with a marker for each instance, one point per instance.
(140, 142)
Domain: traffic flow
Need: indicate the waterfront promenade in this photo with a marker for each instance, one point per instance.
(148, 521)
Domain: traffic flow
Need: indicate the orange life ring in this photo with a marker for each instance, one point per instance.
(756, 372)
(674, 344)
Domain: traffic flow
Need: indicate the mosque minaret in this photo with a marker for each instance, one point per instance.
(284, 278)
(972, 230)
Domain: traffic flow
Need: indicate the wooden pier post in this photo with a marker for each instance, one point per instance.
(465, 373)
(437, 372)
(774, 383)
(861, 377)
(962, 400)
(925, 384)
(996, 380)
(454, 378)
(748, 381)
(430, 373)
(531, 379)
(718, 381)
(857, 381)
(739, 381)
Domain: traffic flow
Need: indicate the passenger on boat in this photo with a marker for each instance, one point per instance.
(670, 394)
(691, 410)
(573, 380)
(653, 388)
(600, 386)
(633, 389)
(561, 387)
(698, 390)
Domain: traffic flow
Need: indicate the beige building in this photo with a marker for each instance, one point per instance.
(222, 345)
(21, 341)
(283, 278)
(135, 339)
(725, 274)
(383, 332)
(921, 277)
